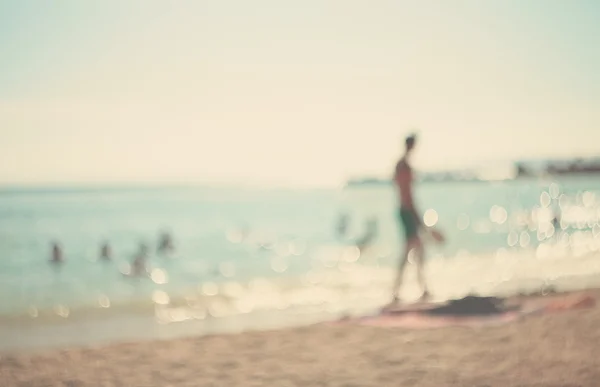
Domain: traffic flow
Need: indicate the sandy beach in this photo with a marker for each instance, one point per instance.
(555, 349)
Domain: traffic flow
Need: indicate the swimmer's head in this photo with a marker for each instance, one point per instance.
(410, 142)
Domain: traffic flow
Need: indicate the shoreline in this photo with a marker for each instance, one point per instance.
(280, 307)
(548, 349)
(519, 269)
(169, 321)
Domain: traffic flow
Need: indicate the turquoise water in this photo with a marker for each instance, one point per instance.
(241, 251)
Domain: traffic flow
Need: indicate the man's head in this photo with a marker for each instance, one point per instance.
(410, 142)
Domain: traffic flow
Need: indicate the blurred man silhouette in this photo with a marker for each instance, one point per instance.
(410, 220)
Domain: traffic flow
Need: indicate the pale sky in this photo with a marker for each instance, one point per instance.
(304, 92)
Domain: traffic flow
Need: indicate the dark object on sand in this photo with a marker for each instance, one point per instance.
(471, 306)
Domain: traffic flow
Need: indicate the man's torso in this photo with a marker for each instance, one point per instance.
(403, 179)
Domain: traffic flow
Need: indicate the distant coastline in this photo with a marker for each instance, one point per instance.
(517, 170)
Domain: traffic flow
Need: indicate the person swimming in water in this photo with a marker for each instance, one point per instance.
(342, 225)
(138, 266)
(165, 244)
(410, 221)
(57, 254)
(105, 251)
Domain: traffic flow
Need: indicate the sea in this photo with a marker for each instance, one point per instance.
(255, 258)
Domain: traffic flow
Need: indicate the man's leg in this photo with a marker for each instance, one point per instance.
(419, 252)
(410, 245)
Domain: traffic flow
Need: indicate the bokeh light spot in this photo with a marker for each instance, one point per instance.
(160, 297)
(62, 311)
(588, 198)
(498, 214)
(554, 190)
(512, 238)
(298, 247)
(412, 254)
(596, 231)
(463, 221)
(545, 199)
(351, 254)
(279, 264)
(283, 248)
(33, 312)
(430, 218)
(524, 239)
(103, 301)
(210, 289)
(159, 276)
(563, 201)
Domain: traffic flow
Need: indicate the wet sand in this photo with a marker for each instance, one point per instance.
(557, 349)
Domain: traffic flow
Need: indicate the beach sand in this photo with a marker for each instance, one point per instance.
(556, 349)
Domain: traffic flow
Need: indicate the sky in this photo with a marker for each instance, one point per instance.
(300, 93)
